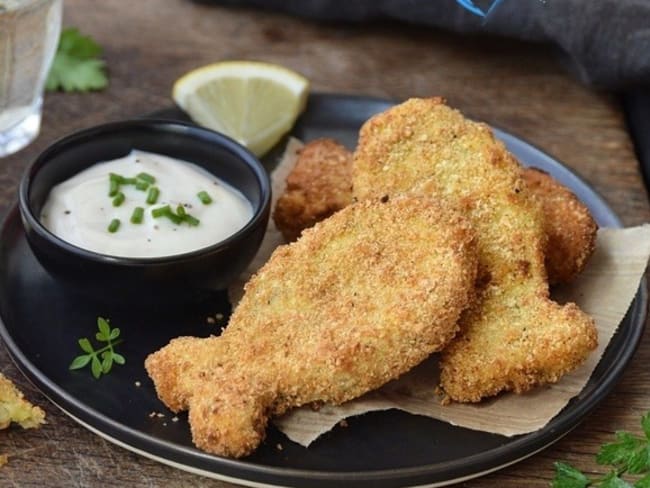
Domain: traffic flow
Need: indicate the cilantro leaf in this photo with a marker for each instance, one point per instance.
(639, 461)
(617, 453)
(104, 330)
(628, 456)
(566, 476)
(80, 361)
(76, 66)
(76, 44)
(85, 345)
(107, 362)
(96, 367)
(119, 359)
(612, 480)
(629, 453)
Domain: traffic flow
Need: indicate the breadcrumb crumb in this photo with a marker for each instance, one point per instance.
(14, 407)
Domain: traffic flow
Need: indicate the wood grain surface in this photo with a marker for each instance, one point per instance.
(523, 88)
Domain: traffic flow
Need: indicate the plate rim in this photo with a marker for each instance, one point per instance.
(638, 308)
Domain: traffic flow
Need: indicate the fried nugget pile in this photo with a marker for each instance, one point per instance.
(513, 337)
(321, 184)
(429, 238)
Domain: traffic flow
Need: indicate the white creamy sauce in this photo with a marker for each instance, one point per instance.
(79, 210)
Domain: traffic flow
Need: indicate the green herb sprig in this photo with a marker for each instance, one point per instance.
(628, 456)
(76, 65)
(101, 360)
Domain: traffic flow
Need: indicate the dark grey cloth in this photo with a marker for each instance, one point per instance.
(608, 41)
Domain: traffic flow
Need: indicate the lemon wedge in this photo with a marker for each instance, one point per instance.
(255, 103)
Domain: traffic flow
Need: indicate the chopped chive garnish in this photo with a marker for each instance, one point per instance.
(173, 217)
(204, 197)
(166, 211)
(179, 218)
(137, 215)
(142, 182)
(193, 221)
(114, 187)
(160, 211)
(114, 225)
(146, 177)
(141, 185)
(152, 195)
(118, 199)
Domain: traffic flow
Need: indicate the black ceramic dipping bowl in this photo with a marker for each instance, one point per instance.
(143, 280)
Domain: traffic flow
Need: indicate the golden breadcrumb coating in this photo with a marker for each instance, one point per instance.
(14, 407)
(359, 299)
(513, 337)
(319, 185)
(569, 226)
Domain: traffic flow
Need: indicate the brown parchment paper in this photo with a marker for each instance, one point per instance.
(604, 290)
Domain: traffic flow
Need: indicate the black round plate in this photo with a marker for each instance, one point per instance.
(42, 320)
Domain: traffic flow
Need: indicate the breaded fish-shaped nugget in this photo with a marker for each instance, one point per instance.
(513, 337)
(569, 226)
(359, 299)
(319, 185)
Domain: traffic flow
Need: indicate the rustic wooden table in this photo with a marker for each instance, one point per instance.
(520, 87)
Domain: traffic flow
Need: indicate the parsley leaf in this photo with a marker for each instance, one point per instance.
(101, 360)
(566, 476)
(612, 480)
(629, 453)
(629, 456)
(76, 66)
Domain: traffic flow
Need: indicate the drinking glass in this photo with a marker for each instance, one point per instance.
(29, 34)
